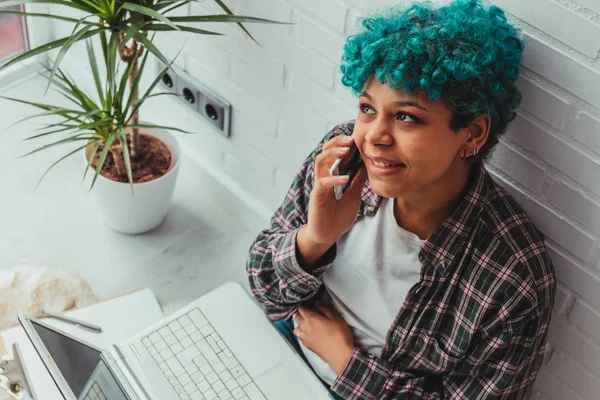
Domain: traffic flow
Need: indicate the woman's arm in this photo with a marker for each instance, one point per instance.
(284, 267)
(503, 366)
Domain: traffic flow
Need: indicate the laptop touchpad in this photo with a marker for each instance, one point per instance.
(292, 380)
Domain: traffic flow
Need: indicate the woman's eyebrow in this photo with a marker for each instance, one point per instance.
(397, 103)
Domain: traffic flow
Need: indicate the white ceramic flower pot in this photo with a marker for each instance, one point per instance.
(147, 207)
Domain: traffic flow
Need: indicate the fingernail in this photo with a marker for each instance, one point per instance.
(344, 178)
(341, 150)
(348, 139)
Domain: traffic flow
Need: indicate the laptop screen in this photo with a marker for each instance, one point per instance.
(80, 365)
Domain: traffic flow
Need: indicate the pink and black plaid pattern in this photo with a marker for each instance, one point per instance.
(476, 324)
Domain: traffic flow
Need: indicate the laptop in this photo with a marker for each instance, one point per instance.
(219, 347)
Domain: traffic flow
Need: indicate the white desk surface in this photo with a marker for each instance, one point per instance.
(120, 318)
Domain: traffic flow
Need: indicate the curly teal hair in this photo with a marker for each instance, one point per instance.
(463, 53)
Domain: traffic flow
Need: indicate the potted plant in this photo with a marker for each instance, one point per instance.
(135, 163)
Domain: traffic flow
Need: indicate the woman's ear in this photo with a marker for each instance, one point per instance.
(478, 131)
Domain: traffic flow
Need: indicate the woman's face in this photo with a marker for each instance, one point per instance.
(406, 141)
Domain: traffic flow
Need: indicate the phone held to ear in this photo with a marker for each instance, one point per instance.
(353, 167)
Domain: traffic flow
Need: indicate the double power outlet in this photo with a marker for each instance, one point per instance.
(212, 107)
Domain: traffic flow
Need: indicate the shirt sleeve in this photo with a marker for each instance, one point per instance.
(503, 366)
(277, 280)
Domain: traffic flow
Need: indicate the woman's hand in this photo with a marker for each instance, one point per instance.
(326, 334)
(328, 218)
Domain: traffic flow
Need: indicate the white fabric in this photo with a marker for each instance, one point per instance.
(376, 265)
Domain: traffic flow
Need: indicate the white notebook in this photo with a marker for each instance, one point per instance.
(120, 318)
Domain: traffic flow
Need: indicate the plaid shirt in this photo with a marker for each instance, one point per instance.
(474, 327)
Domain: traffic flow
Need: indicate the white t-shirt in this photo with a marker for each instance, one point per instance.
(377, 263)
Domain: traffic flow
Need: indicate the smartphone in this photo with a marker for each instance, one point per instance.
(353, 166)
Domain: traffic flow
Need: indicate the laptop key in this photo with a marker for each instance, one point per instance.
(238, 393)
(218, 386)
(175, 366)
(186, 342)
(212, 378)
(175, 326)
(190, 387)
(244, 379)
(253, 392)
(198, 318)
(184, 320)
(187, 355)
(176, 348)
(155, 337)
(171, 340)
(237, 371)
(208, 352)
(200, 361)
(196, 396)
(210, 394)
(231, 384)
(191, 328)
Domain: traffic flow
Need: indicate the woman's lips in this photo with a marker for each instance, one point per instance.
(382, 167)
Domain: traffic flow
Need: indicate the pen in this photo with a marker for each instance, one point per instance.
(73, 321)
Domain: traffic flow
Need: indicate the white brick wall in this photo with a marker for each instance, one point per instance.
(286, 94)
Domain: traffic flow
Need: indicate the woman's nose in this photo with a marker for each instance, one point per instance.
(379, 133)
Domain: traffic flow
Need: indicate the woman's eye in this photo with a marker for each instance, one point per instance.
(366, 109)
(402, 116)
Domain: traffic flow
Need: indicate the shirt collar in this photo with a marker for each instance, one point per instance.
(443, 246)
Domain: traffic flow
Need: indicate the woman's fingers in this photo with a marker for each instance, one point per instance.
(338, 141)
(324, 184)
(326, 311)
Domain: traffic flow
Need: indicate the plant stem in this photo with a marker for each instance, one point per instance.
(132, 55)
(117, 154)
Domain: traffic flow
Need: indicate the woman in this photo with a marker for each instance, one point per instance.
(426, 280)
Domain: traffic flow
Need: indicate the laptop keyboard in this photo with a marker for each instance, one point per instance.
(198, 363)
(94, 393)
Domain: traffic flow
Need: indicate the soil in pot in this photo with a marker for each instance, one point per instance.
(153, 162)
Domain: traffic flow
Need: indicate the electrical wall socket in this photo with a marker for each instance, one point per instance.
(200, 98)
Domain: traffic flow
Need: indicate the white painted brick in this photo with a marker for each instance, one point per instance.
(577, 345)
(562, 302)
(572, 30)
(323, 40)
(283, 182)
(578, 378)
(256, 56)
(300, 123)
(552, 225)
(570, 272)
(593, 5)
(518, 167)
(254, 159)
(353, 21)
(321, 100)
(575, 204)
(289, 51)
(261, 88)
(331, 12)
(270, 9)
(586, 318)
(209, 55)
(538, 396)
(586, 130)
(251, 181)
(556, 152)
(542, 103)
(553, 388)
(287, 157)
(239, 101)
(207, 147)
(562, 69)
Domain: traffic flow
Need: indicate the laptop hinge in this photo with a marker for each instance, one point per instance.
(121, 362)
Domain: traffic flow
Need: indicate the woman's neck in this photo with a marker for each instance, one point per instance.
(424, 212)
